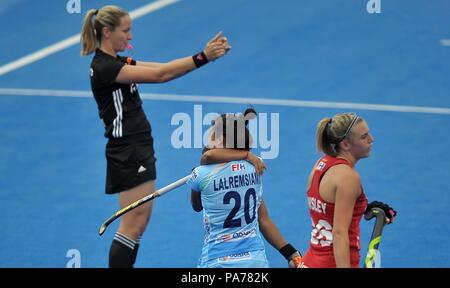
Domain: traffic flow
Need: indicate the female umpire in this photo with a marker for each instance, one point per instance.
(129, 152)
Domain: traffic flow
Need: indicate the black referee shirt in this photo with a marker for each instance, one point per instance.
(119, 105)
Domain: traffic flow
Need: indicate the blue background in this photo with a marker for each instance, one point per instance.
(52, 166)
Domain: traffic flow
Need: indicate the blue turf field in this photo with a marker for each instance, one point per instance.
(52, 165)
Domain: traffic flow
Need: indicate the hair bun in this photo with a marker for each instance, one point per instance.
(251, 112)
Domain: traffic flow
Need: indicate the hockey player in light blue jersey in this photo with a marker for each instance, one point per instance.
(230, 194)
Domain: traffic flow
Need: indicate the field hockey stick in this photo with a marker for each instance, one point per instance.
(380, 221)
(141, 201)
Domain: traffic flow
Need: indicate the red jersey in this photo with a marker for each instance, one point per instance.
(320, 252)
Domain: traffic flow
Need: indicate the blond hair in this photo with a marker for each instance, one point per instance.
(91, 33)
(331, 131)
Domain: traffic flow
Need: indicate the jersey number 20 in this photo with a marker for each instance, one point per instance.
(229, 221)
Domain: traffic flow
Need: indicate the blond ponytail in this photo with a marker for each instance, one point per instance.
(322, 142)
(88, 38)
(91, 33)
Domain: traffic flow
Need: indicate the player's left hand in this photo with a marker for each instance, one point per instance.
(296, 261)
(217, 47)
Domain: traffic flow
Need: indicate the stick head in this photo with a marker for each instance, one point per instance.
(102, 229)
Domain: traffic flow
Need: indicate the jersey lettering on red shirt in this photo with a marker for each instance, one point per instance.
(320, 253)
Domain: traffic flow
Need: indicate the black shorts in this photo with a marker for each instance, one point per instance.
(130, 162)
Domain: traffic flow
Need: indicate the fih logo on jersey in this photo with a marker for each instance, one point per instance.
(133, 87)
(321, 165)
(237, 167)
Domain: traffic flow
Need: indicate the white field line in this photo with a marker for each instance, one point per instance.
(75, 39)
(445, 42)
(237, 100)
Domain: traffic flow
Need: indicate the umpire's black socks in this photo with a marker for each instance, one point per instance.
(136, 248)
(122, 253)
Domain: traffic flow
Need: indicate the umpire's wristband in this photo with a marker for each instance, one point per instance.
(200, 59)
(287, 251)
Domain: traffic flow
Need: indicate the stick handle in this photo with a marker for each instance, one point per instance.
(172, 186)
(141, 201)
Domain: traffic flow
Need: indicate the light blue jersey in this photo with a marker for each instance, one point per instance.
(231, 194)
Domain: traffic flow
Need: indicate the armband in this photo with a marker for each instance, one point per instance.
(200, 59)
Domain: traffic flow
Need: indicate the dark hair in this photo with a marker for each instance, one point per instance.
(234, 129)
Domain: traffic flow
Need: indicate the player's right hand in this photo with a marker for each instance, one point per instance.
(256, 161)
(388, 210)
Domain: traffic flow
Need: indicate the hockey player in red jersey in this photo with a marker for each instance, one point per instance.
(335, 194)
